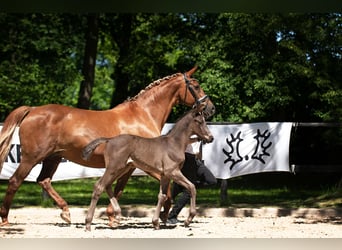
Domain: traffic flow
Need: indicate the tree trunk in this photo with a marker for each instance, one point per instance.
(89, 62)
(121, 34)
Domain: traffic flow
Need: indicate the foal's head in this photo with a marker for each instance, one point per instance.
(198, 126)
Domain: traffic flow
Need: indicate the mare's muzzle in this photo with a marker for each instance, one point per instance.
(209, 109)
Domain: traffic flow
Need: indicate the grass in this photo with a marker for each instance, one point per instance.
(273, 189)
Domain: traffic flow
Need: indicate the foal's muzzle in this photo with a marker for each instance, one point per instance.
(208, 139)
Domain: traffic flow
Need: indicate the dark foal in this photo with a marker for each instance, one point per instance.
(163, 154)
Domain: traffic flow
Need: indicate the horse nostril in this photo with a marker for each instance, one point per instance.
(210, 139)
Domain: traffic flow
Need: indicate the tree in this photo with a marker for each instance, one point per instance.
(89, 62)
(262, 67)
(255, 67)
(37, 59)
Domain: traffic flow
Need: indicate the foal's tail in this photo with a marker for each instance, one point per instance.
(88, 150)
(13, 120)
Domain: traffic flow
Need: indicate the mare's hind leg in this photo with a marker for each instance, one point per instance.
(50, 165)
(13, 185)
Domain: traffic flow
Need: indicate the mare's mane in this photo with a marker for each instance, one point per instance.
(151, 85)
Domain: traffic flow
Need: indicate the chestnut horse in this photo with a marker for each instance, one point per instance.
(51, 132)
(163, 155)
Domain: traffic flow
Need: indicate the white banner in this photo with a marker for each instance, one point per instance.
(237, 150)
(248, 148)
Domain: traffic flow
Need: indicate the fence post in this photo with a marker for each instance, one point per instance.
(224, 191)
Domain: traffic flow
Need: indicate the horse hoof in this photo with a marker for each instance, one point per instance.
(113, 224)
(156, 225)
(4, 223)
(66, 217)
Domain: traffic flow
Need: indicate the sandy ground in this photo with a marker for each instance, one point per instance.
(36, 222)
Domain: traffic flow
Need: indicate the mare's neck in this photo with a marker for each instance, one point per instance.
(159, 100)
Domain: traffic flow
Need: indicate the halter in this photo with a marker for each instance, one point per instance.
(193, 93)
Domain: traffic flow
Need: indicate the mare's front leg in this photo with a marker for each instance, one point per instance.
(180, 179)
(162, 197)
(14, 183)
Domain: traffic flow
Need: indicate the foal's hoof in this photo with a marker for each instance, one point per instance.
(66, 216)
(186, 223)
(156, 225)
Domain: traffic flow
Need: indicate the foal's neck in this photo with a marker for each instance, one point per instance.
(181, 135)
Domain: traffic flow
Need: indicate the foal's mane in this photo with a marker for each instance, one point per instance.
(177, 124)
(151, 85)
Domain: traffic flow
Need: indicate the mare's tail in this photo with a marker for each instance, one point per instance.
(13, 120)
(88, 150)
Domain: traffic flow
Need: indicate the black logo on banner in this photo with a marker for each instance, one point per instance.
(14, 154)
(262, 145)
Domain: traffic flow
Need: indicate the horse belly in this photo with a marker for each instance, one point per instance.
(96, 161)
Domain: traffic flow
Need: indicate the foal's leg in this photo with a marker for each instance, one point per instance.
(167, 203)
(50, 165)
(119, 187)
(115, 206)
(162, 197)
(98, 190)
(180, 179)
(104, 182)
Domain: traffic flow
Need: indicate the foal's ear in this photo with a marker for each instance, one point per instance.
(200, 107)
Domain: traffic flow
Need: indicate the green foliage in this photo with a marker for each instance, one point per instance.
(37, 61)
(255, 67)
(103, 86)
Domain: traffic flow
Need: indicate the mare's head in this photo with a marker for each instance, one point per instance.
(197, 124)
(191, 93)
